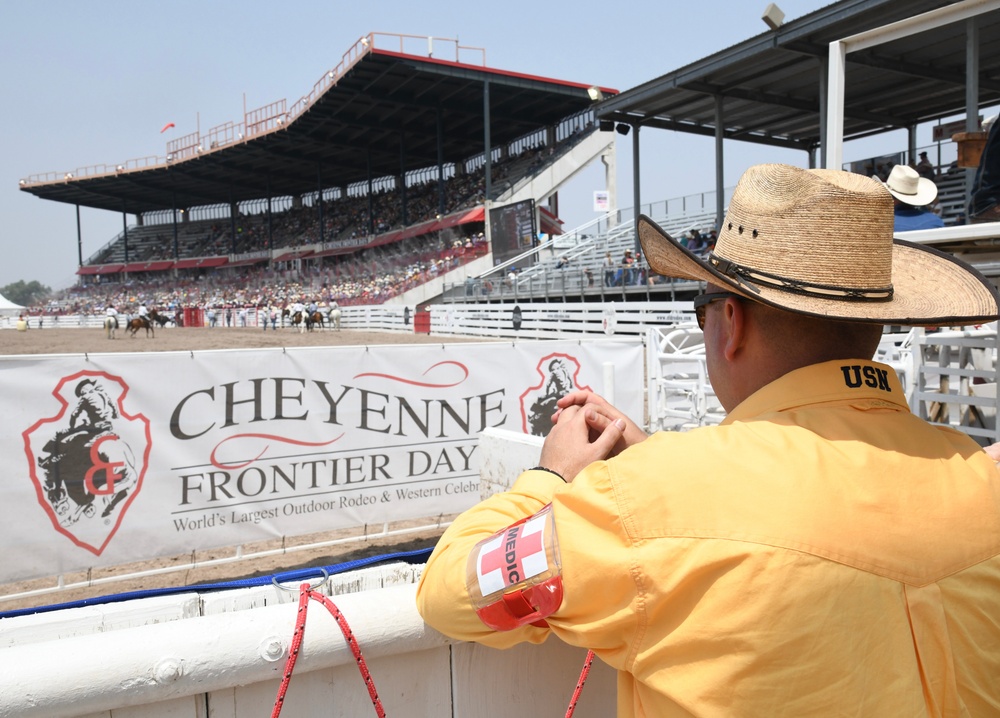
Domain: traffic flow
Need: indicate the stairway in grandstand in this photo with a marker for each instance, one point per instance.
(585, 252)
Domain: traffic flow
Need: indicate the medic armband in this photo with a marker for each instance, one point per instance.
(515, 576)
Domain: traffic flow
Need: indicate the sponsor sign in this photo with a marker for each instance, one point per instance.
(944, 131)
(124, 457)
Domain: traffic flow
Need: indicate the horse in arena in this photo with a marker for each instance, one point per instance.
(294, 319)
(334, 318)
(110, 326)
(313, 319)
(72, 487)
(138, 323)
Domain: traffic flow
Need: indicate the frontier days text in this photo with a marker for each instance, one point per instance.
(261, 400)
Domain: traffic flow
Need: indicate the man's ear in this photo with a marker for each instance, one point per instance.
(735, 316)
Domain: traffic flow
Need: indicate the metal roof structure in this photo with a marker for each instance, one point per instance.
(380, 112)
(771, 88)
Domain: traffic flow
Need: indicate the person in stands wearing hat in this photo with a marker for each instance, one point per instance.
(924, 167)
(912, 193)
(823, 551)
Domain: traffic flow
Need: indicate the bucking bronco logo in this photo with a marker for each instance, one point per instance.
(88, 461)
(558, 374)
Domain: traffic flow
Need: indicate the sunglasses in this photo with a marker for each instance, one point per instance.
(702, 301)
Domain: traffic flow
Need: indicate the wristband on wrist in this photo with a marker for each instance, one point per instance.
(554, 473)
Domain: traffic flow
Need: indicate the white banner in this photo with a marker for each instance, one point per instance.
(116, 458)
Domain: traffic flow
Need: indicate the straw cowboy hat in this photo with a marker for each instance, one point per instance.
(906, 185)
(820, 242)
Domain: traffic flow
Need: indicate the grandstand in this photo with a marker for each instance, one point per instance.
(373, 182)
(386, 165)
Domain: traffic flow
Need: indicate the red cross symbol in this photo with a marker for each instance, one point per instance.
(508, 557)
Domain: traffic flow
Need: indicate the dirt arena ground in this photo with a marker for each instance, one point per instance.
(76, 341)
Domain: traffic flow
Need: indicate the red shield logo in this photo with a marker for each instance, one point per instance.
(559, 376)
(87, 462)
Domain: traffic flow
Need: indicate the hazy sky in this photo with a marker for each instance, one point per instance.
(88, 83)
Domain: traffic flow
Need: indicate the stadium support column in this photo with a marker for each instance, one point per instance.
(232, 221)
(125, 229)
(270, 227)
(487, 149)
(440, 149)
(824, 83)
(635, 187)
(971, 94)
(610, 159)
(402, 177)
(371, 203)
(720, 173)
(173, 207)
(79, 239)
(319, 198)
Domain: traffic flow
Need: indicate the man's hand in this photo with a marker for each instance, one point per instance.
(600, 414)
(573, 444)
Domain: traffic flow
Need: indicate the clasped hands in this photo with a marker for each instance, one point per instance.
(586, 428)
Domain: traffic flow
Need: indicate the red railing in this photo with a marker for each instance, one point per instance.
(269, 118)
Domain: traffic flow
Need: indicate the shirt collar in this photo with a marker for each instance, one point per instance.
(855, 380)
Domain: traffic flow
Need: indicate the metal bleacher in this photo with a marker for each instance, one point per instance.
(572, 265)
(585, 253)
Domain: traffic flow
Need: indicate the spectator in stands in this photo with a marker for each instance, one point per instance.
(563, 262)
(824, 551)
(924, 167)
(628, 264)
(609, 270)
(912, 193)
(697, 243)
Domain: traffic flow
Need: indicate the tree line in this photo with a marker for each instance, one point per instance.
(25, 293)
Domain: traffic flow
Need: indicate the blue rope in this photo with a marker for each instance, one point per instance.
(411, 557)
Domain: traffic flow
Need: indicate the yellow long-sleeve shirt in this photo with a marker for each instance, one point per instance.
(823, 552)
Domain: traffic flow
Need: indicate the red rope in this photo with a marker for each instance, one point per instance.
(305, 593)
(587, 662)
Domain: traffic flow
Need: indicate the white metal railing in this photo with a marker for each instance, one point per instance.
(949, 378)
(955, 380)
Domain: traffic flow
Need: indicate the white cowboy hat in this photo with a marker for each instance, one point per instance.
(820, 242)
(907, 186)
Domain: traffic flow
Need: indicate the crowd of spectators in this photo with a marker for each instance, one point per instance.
(366, 276)
(371, 276)
(348, 217)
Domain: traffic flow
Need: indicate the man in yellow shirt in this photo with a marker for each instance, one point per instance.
(821, 552)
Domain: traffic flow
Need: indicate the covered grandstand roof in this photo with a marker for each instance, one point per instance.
(380, 104)
(771, 86)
